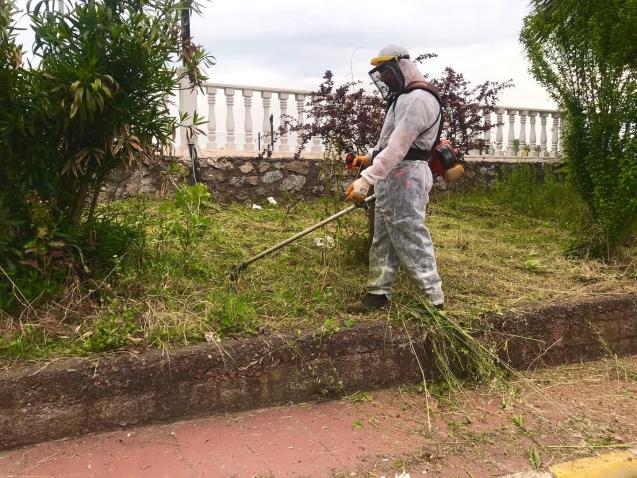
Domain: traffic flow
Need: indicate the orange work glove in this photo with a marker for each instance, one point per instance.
(357, 191)
(365, 161)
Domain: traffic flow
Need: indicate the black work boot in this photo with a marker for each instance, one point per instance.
(368, 303)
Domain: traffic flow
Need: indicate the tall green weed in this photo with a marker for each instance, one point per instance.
(543, 194)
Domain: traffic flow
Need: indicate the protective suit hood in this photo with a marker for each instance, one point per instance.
(410, 72)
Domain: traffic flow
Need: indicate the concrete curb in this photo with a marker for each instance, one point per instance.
(620, 464)
(78, 396)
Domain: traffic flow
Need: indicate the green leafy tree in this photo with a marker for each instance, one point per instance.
(10, 61)
(96, 98)
(585, 53)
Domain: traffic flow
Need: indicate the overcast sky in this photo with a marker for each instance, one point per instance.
(290, 43)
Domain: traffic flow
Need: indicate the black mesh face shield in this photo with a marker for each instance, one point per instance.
(388, 78)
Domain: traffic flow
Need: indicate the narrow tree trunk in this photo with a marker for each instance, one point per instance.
(75, 214)
(96, 193)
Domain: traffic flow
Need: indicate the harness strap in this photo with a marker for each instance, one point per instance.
(431, 89)
(417, 154)
(414, 154)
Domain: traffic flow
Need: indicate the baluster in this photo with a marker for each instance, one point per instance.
(523, 115)
(316, 145)
(487, 132)
(247, 103)
(543, 115)
(554, 137)
(532, 139)
(230, 144)
(188, 105)
(498, 131)
(267, 132)
(511, 133)
(212, 119)
(283, 101)
(560, 144)
(300, 103)
(316, 140)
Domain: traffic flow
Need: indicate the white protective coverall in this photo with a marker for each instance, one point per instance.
(402, 193)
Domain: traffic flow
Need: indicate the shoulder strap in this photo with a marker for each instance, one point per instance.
(422, 85)
(429, 88)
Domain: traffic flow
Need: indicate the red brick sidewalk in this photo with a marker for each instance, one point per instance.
(482, 433)
(298, 440)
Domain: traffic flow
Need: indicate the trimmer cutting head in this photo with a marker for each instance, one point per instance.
(236, 271)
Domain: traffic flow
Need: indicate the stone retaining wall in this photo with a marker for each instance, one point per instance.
(235, 178)
(82, 395)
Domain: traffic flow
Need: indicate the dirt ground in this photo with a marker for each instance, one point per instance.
(540, 418)
(535, 420)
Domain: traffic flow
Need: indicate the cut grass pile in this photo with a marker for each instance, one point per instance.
(171, 287)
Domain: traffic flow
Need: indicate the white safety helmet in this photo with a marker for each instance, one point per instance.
(390, 52)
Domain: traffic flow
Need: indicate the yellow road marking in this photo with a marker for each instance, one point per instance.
(621, 464)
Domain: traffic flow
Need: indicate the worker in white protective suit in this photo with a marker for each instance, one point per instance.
(398, 170)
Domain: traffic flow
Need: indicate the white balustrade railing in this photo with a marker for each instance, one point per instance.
(228, 131)
(520, 124)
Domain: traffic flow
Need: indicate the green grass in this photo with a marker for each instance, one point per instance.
(546, 197)
(495, 251)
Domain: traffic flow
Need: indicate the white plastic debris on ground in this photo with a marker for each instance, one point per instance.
(327, 241)
(272, 201)
(402, 475)
(256, 206)
(211, 337)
